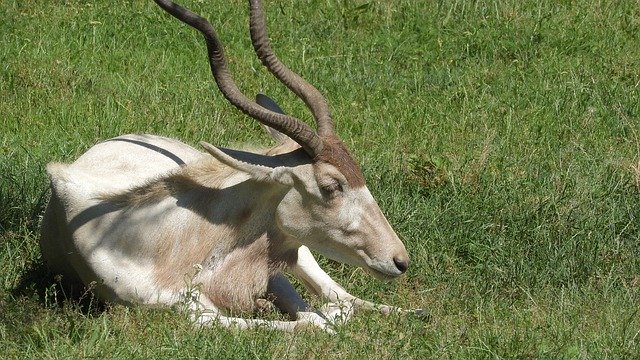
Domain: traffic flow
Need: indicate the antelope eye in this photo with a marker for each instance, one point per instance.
(331, 188)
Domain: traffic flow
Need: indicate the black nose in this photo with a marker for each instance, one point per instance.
(401, 263)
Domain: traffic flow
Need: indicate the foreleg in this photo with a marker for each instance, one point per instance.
(341, 303)
(204, 313)
(304, 321)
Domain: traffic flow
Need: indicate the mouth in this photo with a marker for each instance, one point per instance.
(377, 268)
(381, 275)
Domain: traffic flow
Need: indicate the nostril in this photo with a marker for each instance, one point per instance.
(401, 263)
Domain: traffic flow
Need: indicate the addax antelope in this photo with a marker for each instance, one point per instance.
(145, 219)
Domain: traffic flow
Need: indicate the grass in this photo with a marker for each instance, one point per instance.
(501, 138)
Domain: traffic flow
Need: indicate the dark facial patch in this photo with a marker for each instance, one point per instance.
(335, 153)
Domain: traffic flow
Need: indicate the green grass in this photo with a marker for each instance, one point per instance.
(501, 138)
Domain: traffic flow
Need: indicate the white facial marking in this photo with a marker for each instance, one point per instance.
(354, 209)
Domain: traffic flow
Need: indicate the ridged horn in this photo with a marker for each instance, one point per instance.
(297, 130)
(307, 92)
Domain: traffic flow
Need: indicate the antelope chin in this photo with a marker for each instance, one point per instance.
(381, 275)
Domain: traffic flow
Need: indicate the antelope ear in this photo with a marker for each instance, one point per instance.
(259, 167)
(269, 104)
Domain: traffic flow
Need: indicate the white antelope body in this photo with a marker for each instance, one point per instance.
(145, 219)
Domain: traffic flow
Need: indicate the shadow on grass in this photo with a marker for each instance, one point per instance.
(37, 310)
(38, 284)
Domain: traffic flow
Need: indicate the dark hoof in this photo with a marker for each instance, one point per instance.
(421, 313)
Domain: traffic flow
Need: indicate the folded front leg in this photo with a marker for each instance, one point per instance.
(304, 320)
(320, 283)
(204, 313)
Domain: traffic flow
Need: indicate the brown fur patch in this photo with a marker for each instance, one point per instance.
(180, 251)
(241, 277)
(335, 153)
(238, 261)
(206, 173)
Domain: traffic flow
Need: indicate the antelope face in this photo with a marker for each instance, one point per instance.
(326, 207)
(328, 213)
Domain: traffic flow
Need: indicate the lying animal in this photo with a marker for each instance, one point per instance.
(150, 220)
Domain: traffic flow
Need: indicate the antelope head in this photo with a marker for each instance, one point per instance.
(326, 204)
